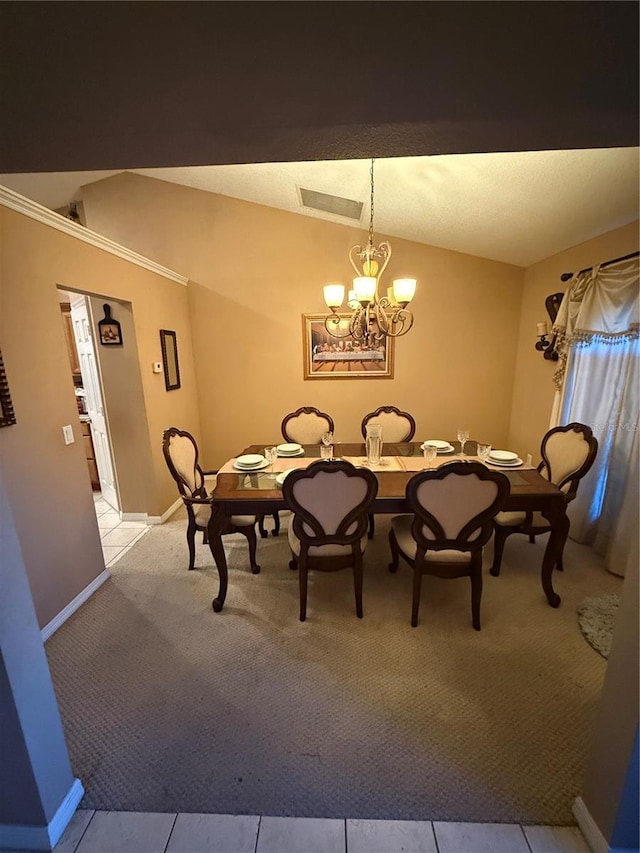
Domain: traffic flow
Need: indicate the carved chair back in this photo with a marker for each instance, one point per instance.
(568, 452)
(454, 506)
(396, 425)
(306, 425)
(181, 455)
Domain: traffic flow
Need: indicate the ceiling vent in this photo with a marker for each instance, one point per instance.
(331, 204)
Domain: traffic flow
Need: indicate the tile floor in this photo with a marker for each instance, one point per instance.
(137, 832)
(116, 536)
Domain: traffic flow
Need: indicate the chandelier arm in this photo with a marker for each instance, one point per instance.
(334, 320)
(401, 321)
(356, 251)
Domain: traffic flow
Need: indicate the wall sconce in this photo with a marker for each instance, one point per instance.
(543, 344)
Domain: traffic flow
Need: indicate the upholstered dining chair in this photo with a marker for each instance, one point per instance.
(306, 425)
(181, 455)
(328, 531)
(568, 452)
(453, 509)
(396, 426)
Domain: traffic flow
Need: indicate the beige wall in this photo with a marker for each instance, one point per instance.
(255, 270)
(47, 481)
(534, 389)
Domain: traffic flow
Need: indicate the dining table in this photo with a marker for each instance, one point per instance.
(246, 492)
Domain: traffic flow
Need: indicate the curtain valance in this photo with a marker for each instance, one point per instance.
(600, 306)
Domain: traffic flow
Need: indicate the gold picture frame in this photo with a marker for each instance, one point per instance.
(328, 357)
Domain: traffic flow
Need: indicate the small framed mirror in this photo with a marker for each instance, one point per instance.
(169, 344)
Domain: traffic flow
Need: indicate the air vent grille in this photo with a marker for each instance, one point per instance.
(331, 204)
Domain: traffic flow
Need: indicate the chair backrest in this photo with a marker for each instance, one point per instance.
(567, 454)
(330, 500)
(396, 425)
(306, 425)
(454, 506)
(181, 455)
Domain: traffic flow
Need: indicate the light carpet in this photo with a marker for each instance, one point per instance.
(168, 706)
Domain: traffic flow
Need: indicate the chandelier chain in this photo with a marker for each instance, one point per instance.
(371, 217)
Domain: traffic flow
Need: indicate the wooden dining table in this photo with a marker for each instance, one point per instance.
(257, 493)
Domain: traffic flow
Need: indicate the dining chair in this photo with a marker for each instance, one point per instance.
(453, 509)
(397, 426)
(328, 530)
(568, 452)
(306, 425)
(181, 455)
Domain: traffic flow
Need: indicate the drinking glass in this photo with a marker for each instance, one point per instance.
(429, 451)
(463, 435)
(326, 451)
(483, 452)
(270, 454)
(327, 438)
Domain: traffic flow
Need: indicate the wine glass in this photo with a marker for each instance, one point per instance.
(463, 436)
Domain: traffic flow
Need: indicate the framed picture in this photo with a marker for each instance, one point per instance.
(109, 329)
(7, 416)
(329, 357)
(169, 344)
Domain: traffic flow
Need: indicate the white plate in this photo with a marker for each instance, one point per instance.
(441, 445)
(249, 468)
(291, 448)
(280, 478)
(502, 456)
(297, 453)
(515, 464)
(448, 449)
(250, 459)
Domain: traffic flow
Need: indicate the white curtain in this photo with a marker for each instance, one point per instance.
(598, 378)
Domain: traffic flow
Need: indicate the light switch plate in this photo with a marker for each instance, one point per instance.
(67, 432)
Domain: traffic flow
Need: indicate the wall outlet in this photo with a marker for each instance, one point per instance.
(67, 432)
(157, 367)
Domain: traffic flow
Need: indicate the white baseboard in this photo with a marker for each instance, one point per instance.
(43, 837)
(152, 519)
(160, 519)
(589, 828)
(73, 605)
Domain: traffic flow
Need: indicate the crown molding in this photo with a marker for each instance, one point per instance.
(17, 202)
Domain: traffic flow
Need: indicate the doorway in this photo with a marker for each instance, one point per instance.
(85, 368)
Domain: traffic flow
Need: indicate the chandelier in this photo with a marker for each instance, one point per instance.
(373, 316)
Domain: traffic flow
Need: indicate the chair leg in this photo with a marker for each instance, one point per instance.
(250, 532)
(276, 524)
(372, 526)
(263, 531)
(395, 552)
(532, 539)
(559, 564)
(417, 583)
(293, 564)
(500, 533)
(357, 580)
(205, 536)
(191, 542)
(476, 596)
(302, 577)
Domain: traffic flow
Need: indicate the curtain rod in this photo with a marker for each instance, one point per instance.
(567, 275)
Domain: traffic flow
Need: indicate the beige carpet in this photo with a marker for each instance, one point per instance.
(168, 706)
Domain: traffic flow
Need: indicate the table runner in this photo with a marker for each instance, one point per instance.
(410, 464)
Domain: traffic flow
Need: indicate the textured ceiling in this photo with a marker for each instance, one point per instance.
(518, 208)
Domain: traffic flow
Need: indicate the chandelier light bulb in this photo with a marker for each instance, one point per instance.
(333, 295)
(404, 289)
(365, 288)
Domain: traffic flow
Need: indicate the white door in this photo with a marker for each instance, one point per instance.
(93, 392)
